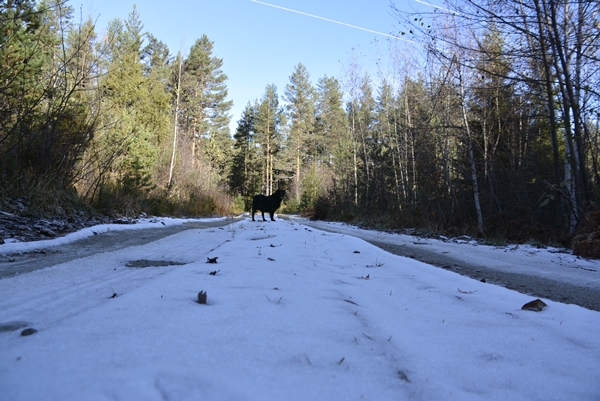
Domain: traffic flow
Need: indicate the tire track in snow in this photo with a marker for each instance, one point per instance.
(107, 275)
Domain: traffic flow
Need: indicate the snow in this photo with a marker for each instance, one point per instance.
(549, 262)
(13, 246)
(293, 313)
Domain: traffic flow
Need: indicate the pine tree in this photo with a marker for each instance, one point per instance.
(382, 146)
(269, 118)
(245, 172)
(137, 107)
(21, 86)
(44, 127)
(300, 95)
(205, 105)
(331, 124)
(365, 120)
(155, 57)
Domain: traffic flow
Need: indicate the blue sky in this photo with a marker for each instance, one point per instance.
(260, 44)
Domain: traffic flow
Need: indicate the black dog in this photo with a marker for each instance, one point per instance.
(267, 204)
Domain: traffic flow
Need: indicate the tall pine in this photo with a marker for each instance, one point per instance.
(269, 119)
(136, 108)
(331, 125)
(205, 105)
(300, 96)
(245, 172)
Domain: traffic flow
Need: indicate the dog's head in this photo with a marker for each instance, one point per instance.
(280, 194)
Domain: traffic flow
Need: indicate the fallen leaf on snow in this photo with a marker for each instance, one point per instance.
(536, 305)
(28, 332)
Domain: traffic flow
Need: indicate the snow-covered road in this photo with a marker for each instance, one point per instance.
(293, 313)
(551, 273)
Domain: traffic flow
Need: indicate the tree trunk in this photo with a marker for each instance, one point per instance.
(175, 125)
(548, 88)
(463, 107)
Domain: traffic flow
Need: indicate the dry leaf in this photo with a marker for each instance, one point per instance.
(536, 305)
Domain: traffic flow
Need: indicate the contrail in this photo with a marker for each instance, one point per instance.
(334, 21)
(438, 7)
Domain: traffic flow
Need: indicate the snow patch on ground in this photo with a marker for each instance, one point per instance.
(12, 246)
(549, 262)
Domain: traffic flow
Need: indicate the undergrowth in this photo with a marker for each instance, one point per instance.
(43, 200)
(499, 229)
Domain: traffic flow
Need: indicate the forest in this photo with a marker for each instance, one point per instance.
(493, 131)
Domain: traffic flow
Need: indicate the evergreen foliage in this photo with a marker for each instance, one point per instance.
(135, 107)
(332, 126)
(302, 140)
(205, 105)
(93, 117)
(44, 126)
(267, 134)
(244, 175)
